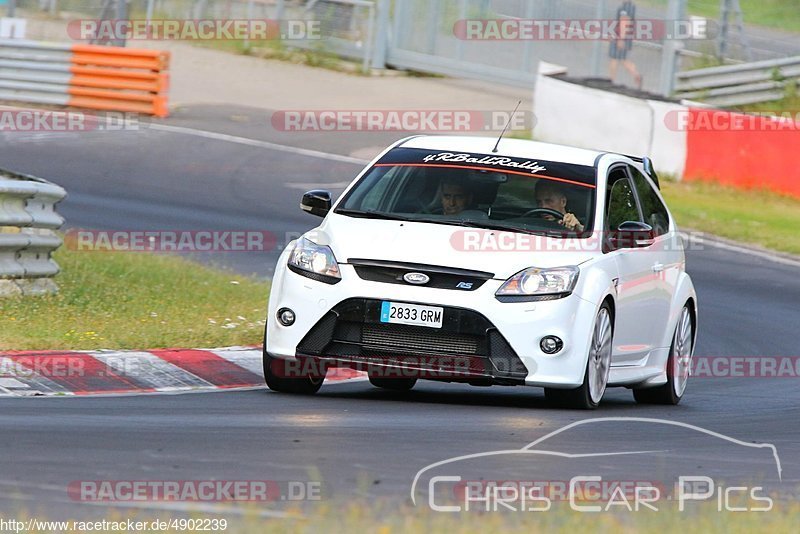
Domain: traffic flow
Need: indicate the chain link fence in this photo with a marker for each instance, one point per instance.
(421, 34)
(426, 28)
(345, 27)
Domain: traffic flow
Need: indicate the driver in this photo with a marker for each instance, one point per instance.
(455, 197)
(549, 194)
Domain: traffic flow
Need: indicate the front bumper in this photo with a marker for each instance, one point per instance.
(468, 347)
(481, 339)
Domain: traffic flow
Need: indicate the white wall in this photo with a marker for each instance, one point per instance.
(572, 114)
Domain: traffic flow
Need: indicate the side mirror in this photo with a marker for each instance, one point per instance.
(632, 234)
(316, 202)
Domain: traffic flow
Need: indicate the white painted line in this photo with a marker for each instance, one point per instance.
(256, 143)
(149, 369)
(775, 257)
(198, 507)
(246, 359)
(12, 383)
(38, 383)
(307, 186)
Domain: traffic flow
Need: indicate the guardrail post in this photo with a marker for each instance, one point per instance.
(381, 35)
(669, 53)
(597, 46)
(280, 8)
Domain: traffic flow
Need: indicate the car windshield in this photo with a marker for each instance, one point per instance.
(476, 190)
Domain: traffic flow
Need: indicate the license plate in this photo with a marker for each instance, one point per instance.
(397, 312)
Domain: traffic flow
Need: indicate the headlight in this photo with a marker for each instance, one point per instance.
(539, 284)
(314, 261)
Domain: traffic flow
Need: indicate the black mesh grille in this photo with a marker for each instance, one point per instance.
(322, 333)
(503, 358)
(417, 339)
(436, 365)
(467, 344)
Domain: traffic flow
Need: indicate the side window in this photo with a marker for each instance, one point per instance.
(655, 214)
(620, 201)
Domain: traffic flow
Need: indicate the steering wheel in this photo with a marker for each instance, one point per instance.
(543, 211)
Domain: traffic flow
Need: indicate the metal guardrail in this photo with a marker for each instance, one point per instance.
(735, 85)
(87, 76)
(27, 239)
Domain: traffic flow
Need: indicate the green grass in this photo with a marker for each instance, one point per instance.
(790, 103)
(780, 14)
(757, 217)
(384, 518)
(388, 517)
(128, 300)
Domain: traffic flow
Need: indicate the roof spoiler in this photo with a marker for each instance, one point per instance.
(647, 165)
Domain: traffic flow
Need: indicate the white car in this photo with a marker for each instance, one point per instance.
(470, 260)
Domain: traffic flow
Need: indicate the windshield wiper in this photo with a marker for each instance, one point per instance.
(370, 214)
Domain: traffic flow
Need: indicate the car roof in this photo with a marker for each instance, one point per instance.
(515, 148)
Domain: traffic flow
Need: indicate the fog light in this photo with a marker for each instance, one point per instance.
(286, 317)
(551, 344)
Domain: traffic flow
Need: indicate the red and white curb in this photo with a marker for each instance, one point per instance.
(107, 372)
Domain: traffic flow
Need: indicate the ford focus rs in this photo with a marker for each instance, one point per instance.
(465, 259)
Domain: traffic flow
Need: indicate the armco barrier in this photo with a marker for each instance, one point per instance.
(745, 83)
(27, 239)
(88, 76)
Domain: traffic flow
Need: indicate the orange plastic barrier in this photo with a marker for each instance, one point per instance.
(743, 151)
(119, 79)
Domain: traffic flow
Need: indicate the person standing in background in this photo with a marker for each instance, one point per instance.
(619, 48)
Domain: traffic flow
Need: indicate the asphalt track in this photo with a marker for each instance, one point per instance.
(357, 440)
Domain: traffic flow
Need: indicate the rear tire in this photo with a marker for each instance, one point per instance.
(302, 385)
(678, 366)
(598, 366)
(395, 384)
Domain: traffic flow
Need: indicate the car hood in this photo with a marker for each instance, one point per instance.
(499, 252)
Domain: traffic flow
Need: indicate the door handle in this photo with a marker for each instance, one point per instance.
(658, 267)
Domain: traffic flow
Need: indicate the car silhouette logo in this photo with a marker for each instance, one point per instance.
(417, 279)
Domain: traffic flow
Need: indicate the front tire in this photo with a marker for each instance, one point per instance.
(678, 365)
(598, 368)
(277, 381)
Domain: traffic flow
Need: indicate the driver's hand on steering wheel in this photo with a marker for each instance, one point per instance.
(570, 222)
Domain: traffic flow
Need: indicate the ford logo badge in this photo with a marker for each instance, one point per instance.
(417, 279)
